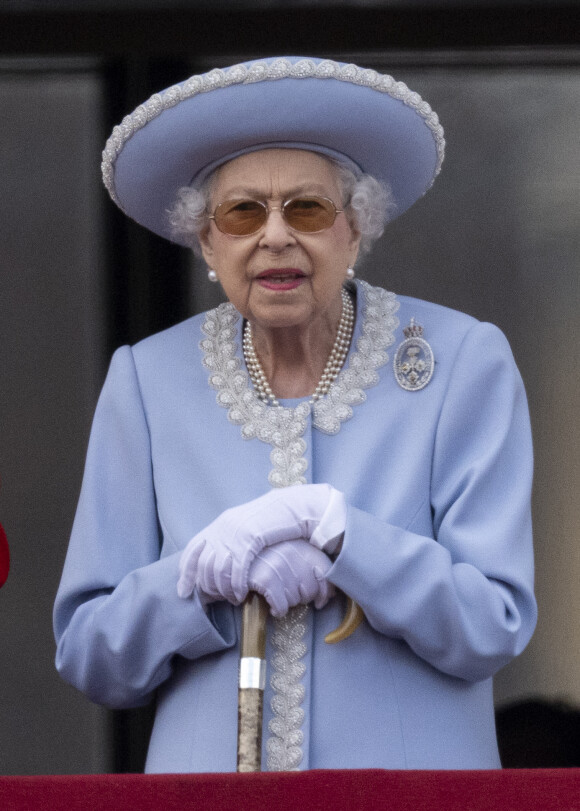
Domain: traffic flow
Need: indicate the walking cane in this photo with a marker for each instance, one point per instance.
(252, 681)
(252, 674)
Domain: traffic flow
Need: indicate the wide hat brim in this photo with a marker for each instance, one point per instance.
(179, 135)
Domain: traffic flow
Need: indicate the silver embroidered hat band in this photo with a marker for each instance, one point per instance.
(358, 116)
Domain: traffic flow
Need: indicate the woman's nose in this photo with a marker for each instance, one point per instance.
(276, 232)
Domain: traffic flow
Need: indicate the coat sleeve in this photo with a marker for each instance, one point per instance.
(461, 599)
(118, 622)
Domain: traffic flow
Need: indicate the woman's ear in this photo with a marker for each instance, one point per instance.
(354, 245)
(206, 245)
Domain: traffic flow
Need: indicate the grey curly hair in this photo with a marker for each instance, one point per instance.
(369, 204)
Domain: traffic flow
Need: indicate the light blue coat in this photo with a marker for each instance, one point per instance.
(437, 552)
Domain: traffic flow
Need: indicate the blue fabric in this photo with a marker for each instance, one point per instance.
(437, 552)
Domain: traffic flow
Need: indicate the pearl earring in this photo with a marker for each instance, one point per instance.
(350, 273)
(212, 275)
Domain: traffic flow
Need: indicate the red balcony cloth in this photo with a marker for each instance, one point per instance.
(508, 790)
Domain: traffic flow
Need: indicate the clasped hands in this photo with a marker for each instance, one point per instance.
(277, 545)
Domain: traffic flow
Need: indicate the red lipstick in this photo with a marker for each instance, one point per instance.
(281, 278)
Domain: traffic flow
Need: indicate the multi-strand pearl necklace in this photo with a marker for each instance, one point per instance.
(333, 366)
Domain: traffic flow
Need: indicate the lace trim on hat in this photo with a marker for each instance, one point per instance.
(284, 428)
(260, 72)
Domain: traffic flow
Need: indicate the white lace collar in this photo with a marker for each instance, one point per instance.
(283, 428)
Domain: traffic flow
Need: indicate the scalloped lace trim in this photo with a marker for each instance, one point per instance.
(261, 72)
(284, 746)
(284, 428)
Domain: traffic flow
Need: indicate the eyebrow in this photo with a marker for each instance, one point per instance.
(302, 189)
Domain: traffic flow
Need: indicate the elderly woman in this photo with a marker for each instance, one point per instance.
(311, 438)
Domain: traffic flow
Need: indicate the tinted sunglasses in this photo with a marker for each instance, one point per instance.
(240, 218)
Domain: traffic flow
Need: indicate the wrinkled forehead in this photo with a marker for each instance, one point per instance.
(334, 157)
(275, 172)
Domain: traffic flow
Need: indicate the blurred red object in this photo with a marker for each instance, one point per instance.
(4, 556)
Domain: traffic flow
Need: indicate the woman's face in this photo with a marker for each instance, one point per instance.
(279, 277)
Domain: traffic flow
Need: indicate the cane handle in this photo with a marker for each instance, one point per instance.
(352, 619)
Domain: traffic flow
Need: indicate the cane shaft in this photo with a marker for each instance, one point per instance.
(254, 617)
(252, 683)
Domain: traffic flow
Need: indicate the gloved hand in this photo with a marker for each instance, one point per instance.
(217, 560)
(290, 573)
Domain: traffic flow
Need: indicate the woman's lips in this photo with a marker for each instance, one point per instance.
(281, 278)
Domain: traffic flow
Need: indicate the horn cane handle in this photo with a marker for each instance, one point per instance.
(352, 619)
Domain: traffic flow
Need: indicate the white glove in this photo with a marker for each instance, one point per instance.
(290, 573)
(217, 560)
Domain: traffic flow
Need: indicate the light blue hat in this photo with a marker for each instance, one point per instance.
(358, 116)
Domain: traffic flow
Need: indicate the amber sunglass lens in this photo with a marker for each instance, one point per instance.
(240, 217)
(309, 214)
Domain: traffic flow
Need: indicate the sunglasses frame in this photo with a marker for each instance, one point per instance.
(267, 209)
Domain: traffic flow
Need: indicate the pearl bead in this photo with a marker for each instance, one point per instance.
(333, 366)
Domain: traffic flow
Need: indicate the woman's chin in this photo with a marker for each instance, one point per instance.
(274, 310)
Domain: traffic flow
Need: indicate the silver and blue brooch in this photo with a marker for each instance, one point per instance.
(414, 362)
